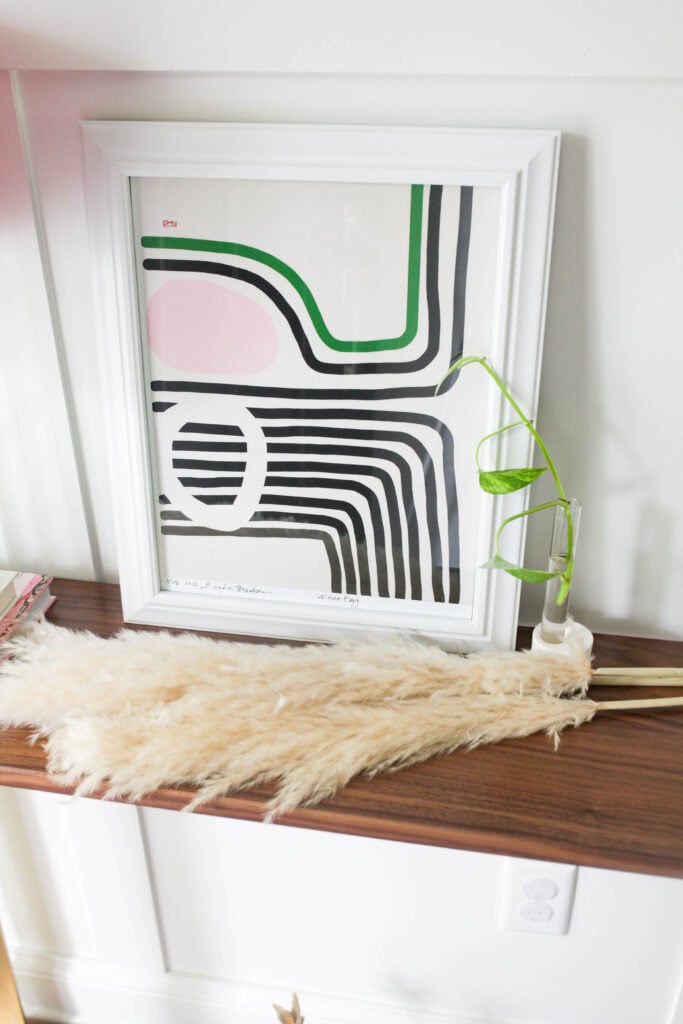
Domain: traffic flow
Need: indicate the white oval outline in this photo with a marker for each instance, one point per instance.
(217, 517)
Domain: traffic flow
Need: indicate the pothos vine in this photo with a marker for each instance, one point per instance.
(505, 481)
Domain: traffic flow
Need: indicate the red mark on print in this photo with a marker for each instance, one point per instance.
(170, 223)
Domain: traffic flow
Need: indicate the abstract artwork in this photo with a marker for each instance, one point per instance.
(279, 307)
(297, 335)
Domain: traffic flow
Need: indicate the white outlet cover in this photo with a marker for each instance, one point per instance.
(537, 896)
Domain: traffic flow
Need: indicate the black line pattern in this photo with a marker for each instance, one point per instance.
(387, 468)
(374, 484)
(348, 368)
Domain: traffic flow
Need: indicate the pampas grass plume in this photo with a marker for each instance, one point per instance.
(146, 709)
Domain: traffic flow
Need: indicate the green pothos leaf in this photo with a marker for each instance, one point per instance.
(527, 575)
(504, 481)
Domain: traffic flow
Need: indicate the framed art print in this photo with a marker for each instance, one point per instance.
(279, 307)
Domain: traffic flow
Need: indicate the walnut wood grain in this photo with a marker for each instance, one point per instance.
(611, 796)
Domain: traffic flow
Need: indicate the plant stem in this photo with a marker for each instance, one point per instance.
(562, 497)
(495, 433)
(522, 515)
(525, 420)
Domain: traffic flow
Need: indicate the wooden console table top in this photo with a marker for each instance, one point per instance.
(610, 797)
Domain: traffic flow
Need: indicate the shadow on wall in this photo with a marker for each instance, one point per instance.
(644, 576)
(568, 381)
(649, 579)
(623, 528)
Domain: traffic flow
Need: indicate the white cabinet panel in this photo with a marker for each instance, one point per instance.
(415, 926)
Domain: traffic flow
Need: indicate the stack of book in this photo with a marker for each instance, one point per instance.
(23, 596)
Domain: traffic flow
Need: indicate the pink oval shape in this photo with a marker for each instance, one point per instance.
(203, 327)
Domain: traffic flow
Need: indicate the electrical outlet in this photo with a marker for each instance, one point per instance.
(537, 896)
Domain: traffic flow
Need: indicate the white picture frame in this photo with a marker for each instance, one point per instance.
(358, 186)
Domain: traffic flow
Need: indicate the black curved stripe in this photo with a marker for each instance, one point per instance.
(333, 505)
(293, 321)
(378, 452)
(216, 499)
(421, 419)
(209, 446)
(211, 428)
(430, 352)
(361, 394)
(303, 534)
(224, 467)
(294, 533)
(314, 502)
(351, 451)
(338, 525)
(210, 481)
(460, 277)
(202, 387)
(404, 474)
(386, 482)
(372, 501)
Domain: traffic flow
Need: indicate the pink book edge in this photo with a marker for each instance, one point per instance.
(25, 581)
(19, 587)
(23, 605)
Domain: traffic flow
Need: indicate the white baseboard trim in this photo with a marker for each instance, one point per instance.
(80, 991)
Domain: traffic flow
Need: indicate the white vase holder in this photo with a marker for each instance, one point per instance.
(576, 638)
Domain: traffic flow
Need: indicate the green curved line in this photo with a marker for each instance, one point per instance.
(339, 345)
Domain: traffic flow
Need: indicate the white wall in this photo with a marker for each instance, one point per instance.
(609, 393)
(119, 915)
(444, 37)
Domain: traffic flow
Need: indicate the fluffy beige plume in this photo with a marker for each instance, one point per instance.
(310, 753)
(292, 1016)
(145, 710)
(56, 671)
